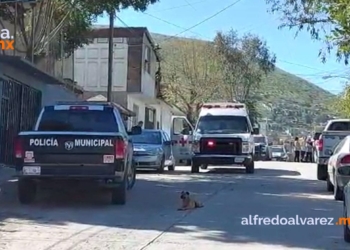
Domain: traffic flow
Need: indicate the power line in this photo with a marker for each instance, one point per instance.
(175, 25)
(189, 4)
(205, 20)
(181, 6)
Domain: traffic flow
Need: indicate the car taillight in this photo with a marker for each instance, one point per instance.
(320, 144)
(211, 143)
(120, 148)
(18, 148)
(345, 160)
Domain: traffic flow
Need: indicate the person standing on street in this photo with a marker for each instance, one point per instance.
(297, 148)
(309, 150)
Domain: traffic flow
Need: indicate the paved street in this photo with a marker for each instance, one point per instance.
(71, 221)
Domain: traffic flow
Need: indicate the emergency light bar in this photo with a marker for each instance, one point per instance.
(79, 107)
(228, 106)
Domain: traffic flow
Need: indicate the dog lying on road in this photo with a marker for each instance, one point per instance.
(188, 202)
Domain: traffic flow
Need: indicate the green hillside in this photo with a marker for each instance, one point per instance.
(287, 100)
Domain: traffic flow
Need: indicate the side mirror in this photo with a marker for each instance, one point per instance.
(167, 143)
(255, 131)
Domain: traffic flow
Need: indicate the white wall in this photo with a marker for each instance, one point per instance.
(91, 65)
(147, 85)
(141, 116)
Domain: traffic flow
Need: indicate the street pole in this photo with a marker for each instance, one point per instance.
(110, 56)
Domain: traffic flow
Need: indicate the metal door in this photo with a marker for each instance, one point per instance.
(181, 136)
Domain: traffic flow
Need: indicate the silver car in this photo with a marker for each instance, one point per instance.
(153, 150)
(338, 169)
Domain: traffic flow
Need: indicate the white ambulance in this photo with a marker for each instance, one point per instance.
(223, 136)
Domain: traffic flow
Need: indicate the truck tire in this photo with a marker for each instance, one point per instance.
(249, 168)
(171, 168)
(131, 176)
(330, 187)
(119, 193)
(26, 191)
(338, 193)
(321, 172)
(194, 167)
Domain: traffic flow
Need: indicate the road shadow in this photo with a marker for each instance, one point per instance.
(227, 197)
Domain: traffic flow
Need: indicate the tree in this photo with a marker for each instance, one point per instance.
(244, 62)
(326, 20)
(191, 75)
(69, 19)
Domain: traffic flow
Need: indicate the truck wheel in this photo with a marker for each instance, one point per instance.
(204, 166)
(338, 193)
(330, 187)
(346, 226)
(321, 172)
(171, 168)
(119, 193)
(26, 191)
(194, 167)
(249, 168)
(131, 176)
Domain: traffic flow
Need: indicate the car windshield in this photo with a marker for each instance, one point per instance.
(277, 149)
(147, 137)
(78, 120)
(259, 139)
(222, 125)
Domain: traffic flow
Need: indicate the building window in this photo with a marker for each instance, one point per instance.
(147, 63)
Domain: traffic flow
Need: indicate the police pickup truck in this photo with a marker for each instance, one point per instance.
(80, 141)
(223, 136)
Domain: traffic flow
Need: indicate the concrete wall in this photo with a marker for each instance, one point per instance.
(50, 93)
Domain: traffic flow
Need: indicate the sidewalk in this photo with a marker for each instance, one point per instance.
(6, 173)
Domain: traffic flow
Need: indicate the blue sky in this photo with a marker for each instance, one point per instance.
(297, 55)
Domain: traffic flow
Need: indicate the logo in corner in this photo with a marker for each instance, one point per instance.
(68, 145)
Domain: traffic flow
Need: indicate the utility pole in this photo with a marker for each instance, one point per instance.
(110, 55)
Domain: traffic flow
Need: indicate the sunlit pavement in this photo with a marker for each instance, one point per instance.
(63, 219)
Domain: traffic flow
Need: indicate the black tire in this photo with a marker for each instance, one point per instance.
(119, 193)
(161, 167)
(338, 193)
(346, 226)
(321, 172)
(249, 168)
(195, 168)
(204, 166)
(26, 191)
(330, 187)
(131, 180)
(171, 168)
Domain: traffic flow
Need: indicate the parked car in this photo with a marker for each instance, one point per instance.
(338, 169)
(279, 153)
(153, 150)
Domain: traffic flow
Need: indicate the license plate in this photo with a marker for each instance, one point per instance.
(108, 159)
(31, 170)
(239, 159)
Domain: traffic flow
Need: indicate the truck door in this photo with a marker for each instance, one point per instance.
(181, 137)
